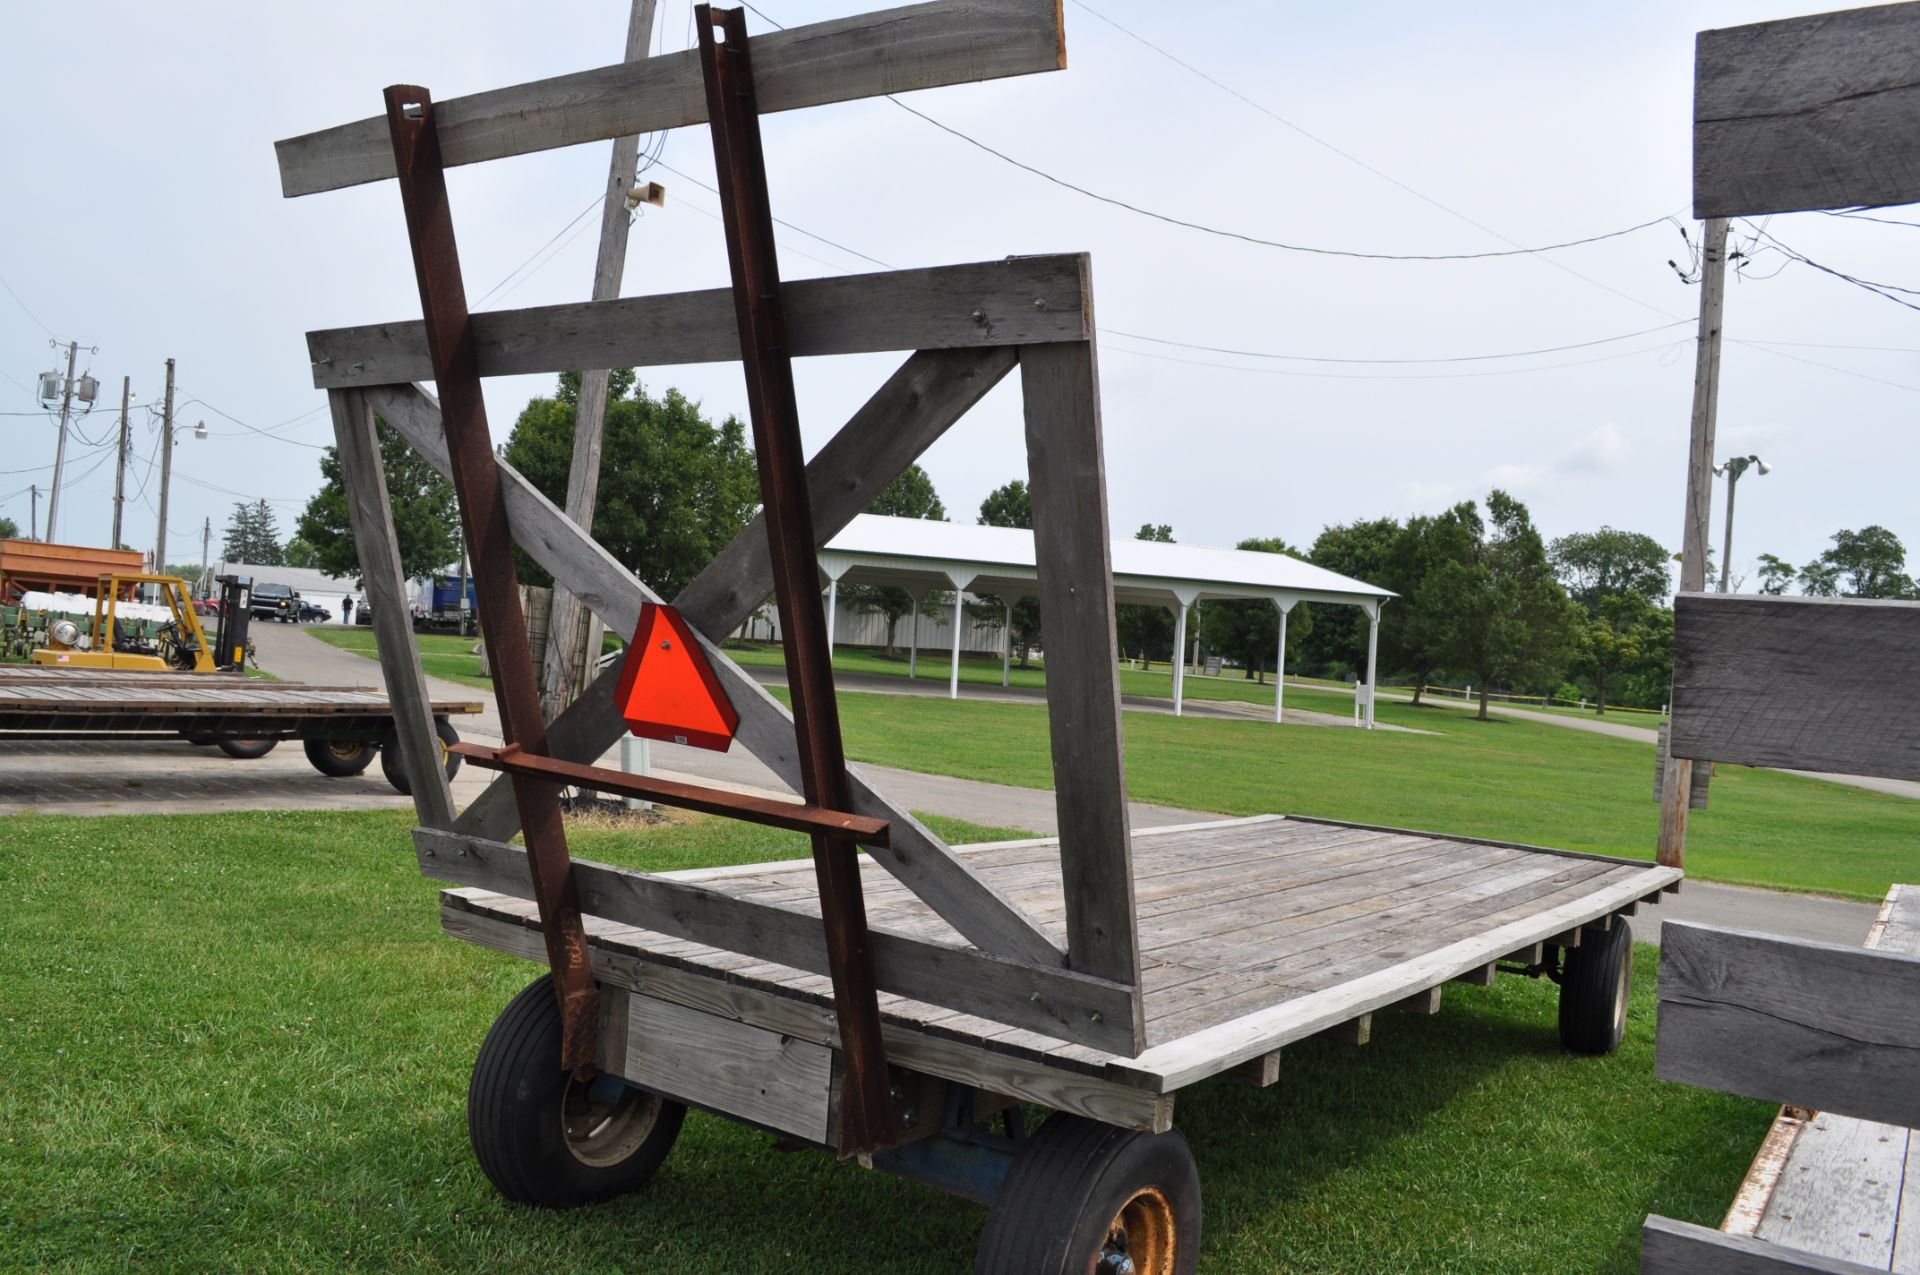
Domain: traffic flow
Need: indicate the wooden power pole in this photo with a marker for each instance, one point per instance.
(1677, 786)
(120, 461)
(566, 622)
(166, 474)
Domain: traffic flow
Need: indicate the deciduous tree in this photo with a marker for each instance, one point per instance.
(1608, 562)
(1247, 632)
(1868, 563)
(426, 520)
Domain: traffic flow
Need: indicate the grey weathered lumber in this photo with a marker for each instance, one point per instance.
(466, 916)
(1801, 683)
(1813, 112)
(1073, 556)
(1427, 1002)
(1262, 1072)
(768, 1077)
(1668, 1247)
(1840, 1193)
(371, 517)
(1056, 1002)
(892, 51)
(1355, 1031)
(1016, 301)
(1816, 1025)
(1662, 758)
(909, 412)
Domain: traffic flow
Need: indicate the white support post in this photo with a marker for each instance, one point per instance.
(1006, 648)
(833, 610)
(1373, 650)
(1179, 657)
(1280, 668)
(636, 759)
(913, 641)
(960, 584)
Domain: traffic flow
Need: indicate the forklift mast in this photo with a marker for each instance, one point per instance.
(236, 611)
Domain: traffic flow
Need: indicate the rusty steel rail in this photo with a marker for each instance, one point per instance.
(483, 513)
(865, 1107)
(767, 811)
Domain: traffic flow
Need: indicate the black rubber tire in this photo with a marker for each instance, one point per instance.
(1595, 982)
(246, 749)
(516, 1104)
(201, 738)
(341, 758)
(1055, 1210)
(397, 774)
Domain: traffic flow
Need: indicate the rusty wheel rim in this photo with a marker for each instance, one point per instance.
(604, 1121)
(1142, 1239)
(346, 749)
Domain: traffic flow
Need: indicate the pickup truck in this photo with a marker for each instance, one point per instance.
(276, 602)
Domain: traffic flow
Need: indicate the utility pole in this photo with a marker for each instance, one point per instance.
(565, 623)
(120, 460)
(206, 538)
(1676, 789)
(166, 473)
(60, 448)
(33, 519)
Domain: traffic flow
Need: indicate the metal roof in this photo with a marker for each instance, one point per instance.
(877, 549)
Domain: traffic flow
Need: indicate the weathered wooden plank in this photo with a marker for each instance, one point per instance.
(1262, 1072)
(1680, 1248)
(1061, 1088)
(1426, 1002)
(1812, 112)
(1061, 1003)
(1073, 554)
(1839, 1195)
(1906, 1245)
(1355, 1031)
(1763, 1175)
(1012, 302)
(919, 401)
(1801, 683)
(892, 51)
(1817, 1025)
(371, 517)
(1484, 976)
(766, 1077)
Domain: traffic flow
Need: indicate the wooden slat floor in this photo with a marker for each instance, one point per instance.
(1235, 919)
(134, 696)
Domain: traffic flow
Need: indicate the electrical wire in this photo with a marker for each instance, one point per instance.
(851, 252)
(1882, 290)
(591, 205)
(1381, 376)
(23, 309)
(278, 438)
(1457, 358)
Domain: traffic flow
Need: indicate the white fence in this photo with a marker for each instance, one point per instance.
(869, 628)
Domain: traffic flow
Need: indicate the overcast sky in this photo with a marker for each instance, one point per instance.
(144, 217)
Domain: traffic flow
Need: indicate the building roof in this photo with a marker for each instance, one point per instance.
(302, 580)
(913, 551)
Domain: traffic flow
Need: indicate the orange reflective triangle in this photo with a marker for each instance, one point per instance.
(668, 691)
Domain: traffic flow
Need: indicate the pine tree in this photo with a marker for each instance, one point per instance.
(253, 535)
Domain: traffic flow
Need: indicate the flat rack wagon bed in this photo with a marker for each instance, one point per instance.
(1254, 933)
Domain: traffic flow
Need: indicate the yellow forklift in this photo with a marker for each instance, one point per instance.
(178, 644)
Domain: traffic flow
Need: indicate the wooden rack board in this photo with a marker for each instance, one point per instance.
(1254, 933)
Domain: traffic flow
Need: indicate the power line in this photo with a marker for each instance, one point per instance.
(593, 204)
(1457, 358)
(278, 438)
(1883, 290)
(23, 308)
(851, 252)
(1381, 376)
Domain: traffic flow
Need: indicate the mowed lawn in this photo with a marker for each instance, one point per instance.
(1505, 779)
(240, 1042)
(444, 655)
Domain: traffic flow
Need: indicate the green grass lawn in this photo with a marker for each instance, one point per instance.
(1504, 779)
(443, 655)
(240, 1042)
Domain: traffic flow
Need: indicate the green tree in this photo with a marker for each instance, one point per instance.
(1247, 632)
(1776, 575)
(1012, 506)
(299, 552)
(253, 535)
(1508, 618)
(1868, 563)
(426, 519)
(1142, 630)
(9, 529)
(911, 495)
(674, 488)
(1622, 633)
(1416, 627)
(1608, 562)
(1363, 550)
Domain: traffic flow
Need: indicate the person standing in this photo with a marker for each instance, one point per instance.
(346, 608)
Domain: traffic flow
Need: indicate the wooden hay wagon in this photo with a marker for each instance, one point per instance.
(896, 1006)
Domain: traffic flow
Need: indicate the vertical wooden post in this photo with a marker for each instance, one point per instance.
(1678, 785)
(371, 517)
(1074, 557)
(558, 673)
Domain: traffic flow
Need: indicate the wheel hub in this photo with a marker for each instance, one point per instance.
(605, 1120)
(1141, 1239)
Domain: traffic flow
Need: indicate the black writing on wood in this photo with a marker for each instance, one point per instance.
(1803, 683)
(1814, 112)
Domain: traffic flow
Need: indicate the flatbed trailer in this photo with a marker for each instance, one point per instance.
(343, 728)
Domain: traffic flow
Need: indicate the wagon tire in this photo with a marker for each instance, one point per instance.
(1088, 1196)
(545, 1139)
(396, 772)
(202, 738)
(246, 749)
(1595, 984)
(341, 758)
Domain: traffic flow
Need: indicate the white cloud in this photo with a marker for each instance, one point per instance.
(1428, 495)
(1601, 449)
(1515, 475)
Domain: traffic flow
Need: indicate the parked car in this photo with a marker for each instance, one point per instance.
(313, 611)
(276, 602)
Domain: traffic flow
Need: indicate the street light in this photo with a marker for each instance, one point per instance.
(1733, 468)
